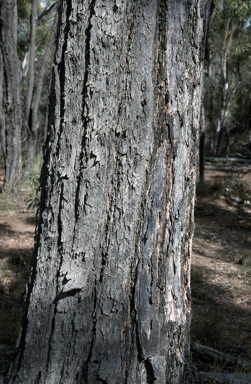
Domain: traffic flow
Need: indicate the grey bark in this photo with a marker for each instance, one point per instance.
(31, 62)
(31, 59)
(2, 116)
(108, 299)
(11, 136)
(36, 97)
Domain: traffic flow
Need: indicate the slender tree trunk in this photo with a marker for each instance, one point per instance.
(221, 120)
(224, 64)
(2, 116)
(31, 62)
(30, 84)
(36, 98)
(11, 133)
(202, 145)
(108, 299)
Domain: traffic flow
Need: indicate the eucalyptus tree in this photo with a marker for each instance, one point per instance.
(10, 116)
(108, 299)
(13, 83)
(227, 38)
(32, 110)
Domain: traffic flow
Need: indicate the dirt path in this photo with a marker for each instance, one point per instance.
(221, 264)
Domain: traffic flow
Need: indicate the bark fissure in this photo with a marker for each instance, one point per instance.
(125, 59)
(60, 251)
(61, 71)
(83, 158)
(51, 333)
(112, 282)
(85, 114)
(149, 372)
(89, 359)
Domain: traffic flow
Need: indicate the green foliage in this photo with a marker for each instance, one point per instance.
(32, 180)
(241, 9)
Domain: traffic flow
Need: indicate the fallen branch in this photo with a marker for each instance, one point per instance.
(219, 356)
(46, 11)
(232, 378)
(227, 159)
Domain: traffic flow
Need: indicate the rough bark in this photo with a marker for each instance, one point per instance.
(12, 108)
(36, 98)
(108, 299)
(2, 116)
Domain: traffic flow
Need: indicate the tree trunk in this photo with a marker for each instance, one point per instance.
(108, 299)
(2, 116)
(224, 67)
(36, 98)
(12, 131)
(31, 62)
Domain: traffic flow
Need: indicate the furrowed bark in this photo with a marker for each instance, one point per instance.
(108, 299)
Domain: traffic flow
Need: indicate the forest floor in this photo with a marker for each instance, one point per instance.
(221, 262)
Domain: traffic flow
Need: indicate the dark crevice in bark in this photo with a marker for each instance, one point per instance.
(60, 229)
(129, 355)
(85, 370)
(38, 378)
(149, 372)
(59, 247)
(130, 26)
(83, 153)
(161, 131)
(61, 71)
(135, 330)
(52, 331)
(133, 311)
(102, 381)
(70, 293)
(103, 263)
(85, 81)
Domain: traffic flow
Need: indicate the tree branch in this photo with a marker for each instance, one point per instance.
(46, 11)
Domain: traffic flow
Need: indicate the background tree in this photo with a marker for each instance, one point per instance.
(109, 294)
(33, 109)
(18, 85)
(11, 117)
(226, 82)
